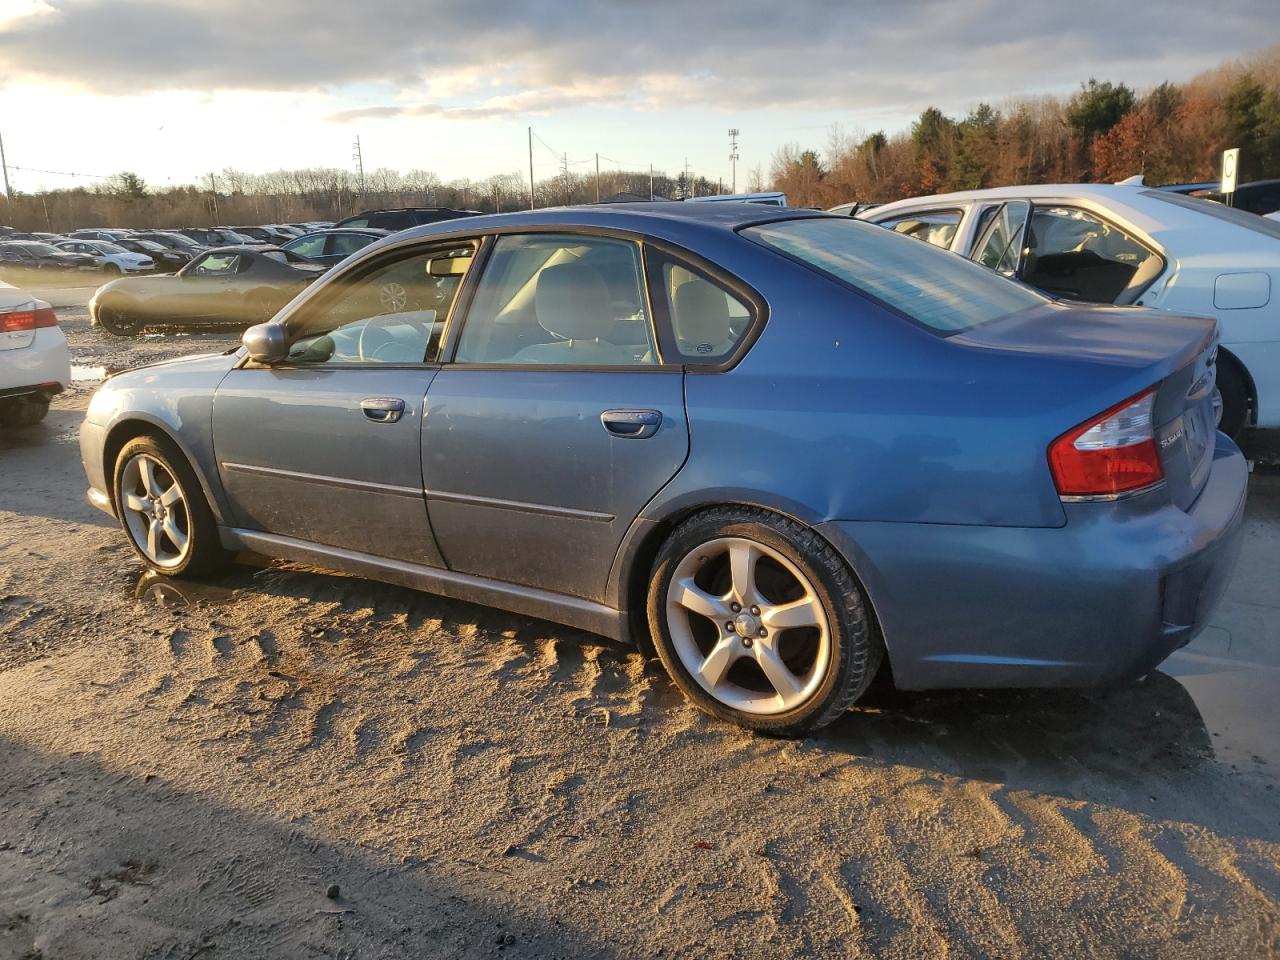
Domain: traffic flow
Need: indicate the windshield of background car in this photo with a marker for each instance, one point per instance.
(939, 290)
(1241, 218)
(41, 249)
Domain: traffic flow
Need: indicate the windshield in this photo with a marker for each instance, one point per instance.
(150, 245)
(939, 290)
(1241, 218)
(103, 247)
(43, 249)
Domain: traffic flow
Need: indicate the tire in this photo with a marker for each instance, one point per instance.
(110, 269)
(797, 575)
(202, 552)
(24, 411)
(119, 320)
(1235, 398)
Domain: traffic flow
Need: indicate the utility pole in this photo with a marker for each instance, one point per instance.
(4, 163)
(358, 156)
(733, 156)
(564, 172)
(651, 181)
(213, 192)
(531, 168)
(688, 184)
(597, 178)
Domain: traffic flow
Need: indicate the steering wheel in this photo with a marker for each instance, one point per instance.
(375, 338)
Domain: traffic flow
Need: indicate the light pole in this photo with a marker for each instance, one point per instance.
(733, 157)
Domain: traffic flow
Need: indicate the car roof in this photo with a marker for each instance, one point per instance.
(660, 218)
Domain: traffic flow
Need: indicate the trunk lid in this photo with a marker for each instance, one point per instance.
(1175, 353)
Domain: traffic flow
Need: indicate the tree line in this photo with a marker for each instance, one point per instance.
(319, 193)
(1105, 132)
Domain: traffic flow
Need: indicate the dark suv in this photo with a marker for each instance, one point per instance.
(403, 218)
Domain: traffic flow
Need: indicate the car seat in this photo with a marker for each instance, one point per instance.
(572, 303)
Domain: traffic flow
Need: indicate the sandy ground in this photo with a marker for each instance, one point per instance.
(185, 770)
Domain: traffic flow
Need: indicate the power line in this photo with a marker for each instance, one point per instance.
(62, 173)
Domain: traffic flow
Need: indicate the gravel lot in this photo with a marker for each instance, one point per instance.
(191, 770)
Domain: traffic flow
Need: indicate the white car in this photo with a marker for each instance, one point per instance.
(34, 360)
(111, 258)
(1128, 244)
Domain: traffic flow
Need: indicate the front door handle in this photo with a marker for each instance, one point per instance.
(632, 424)
(382, 409)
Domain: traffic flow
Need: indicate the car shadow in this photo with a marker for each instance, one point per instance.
(186, 876)
(1144, 747)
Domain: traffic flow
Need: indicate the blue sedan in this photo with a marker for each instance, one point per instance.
(782, 450)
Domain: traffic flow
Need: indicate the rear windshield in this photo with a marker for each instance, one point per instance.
(941, 291)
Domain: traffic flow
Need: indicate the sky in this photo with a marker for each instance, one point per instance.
(176, 89)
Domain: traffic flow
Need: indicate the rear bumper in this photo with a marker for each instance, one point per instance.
(46, 360)
(1104, 598)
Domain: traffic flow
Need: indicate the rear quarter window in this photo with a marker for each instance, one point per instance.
(939, 290)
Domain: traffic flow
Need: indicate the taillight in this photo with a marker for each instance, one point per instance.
(1113, 453)
(18, 320)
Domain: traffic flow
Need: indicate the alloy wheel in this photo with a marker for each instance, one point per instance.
(155, 509)
(748, 626)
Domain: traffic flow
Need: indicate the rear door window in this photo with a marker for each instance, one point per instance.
(999, 246)
(1076, 255)
(707, 320)
(560, 299)
(932, 226)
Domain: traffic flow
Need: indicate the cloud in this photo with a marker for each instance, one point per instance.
(487, 59)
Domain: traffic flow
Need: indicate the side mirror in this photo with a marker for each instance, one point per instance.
(266, 343)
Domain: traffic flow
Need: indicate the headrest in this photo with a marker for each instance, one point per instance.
(572, 301)
(701, 316)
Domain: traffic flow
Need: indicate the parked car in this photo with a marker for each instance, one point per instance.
(34, 361)
(172, 241)
(1129, 244)
(852, 209)
(42, 256)
(1187, 188)
(404, 217)
(1260, 196)
(217, 237)
(110, 257)
(224, 286)
(111, 235)
(780, 445)
(269, 235)
(289, 229)
(335, 245)
(166, 260)
(771, 198)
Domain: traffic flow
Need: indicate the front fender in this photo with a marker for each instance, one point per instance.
(175, 399)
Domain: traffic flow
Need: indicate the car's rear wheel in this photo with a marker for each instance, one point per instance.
(759, 621)
(118, 319)
(1232, 399)
(163, 510)
(24, 411)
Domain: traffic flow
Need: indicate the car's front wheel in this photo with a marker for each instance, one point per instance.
(119, 320)
(163, 510)
(759, 621)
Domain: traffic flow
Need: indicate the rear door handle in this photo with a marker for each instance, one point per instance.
(632, 424)
(382, 409)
